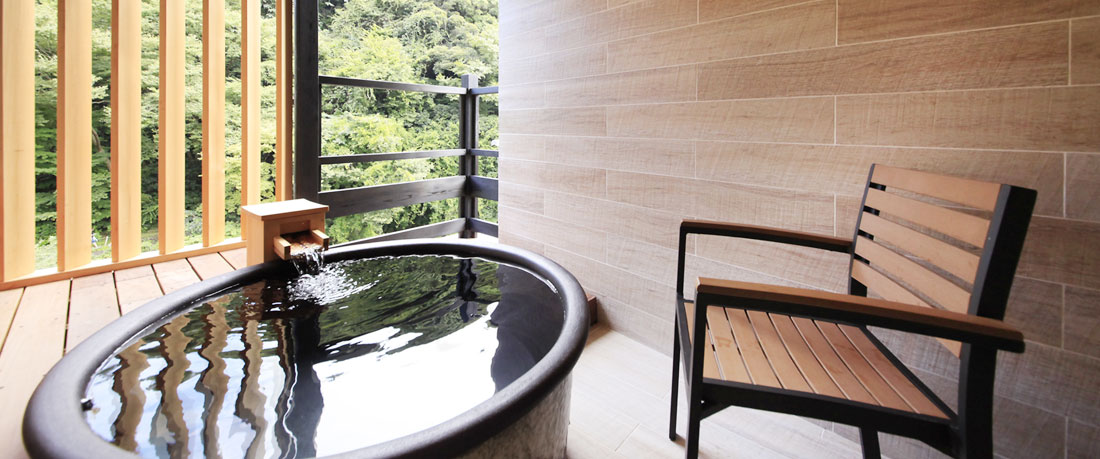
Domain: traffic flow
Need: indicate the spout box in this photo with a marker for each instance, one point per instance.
(265, 223)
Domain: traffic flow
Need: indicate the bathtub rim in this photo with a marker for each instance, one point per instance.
(54, 424)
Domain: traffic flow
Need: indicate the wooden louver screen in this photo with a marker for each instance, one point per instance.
(74, 225)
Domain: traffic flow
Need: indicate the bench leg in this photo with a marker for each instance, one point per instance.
(695, 417)
(869, 439)
(675, 381)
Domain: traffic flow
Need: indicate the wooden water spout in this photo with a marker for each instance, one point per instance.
(283, 229)
(288, 246)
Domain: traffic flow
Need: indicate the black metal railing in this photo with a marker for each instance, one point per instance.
(468, 186)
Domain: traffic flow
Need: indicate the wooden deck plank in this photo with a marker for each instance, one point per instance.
(210, 265)
(174, 275)
(35, 342)
(238, 258)
(136, 286)
(9, 303)
(93, 304)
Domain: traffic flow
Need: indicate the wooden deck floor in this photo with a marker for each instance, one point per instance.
(38, 324)
(620, 387)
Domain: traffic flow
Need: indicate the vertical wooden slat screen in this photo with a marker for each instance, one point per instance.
(74, 134)
(125, 129)
(17, 138)
(284, 99)
(250, 104)
(213, 122)
(171, 144)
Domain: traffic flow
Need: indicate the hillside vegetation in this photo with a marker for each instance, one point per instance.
(422, 41)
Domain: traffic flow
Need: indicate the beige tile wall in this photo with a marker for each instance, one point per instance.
(621, 117)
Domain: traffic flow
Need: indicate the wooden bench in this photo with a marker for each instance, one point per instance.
(938, 254)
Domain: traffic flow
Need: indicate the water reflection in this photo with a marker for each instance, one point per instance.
(359, 353)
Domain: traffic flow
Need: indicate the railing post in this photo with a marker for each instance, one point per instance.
(307, 103)
(467, 166)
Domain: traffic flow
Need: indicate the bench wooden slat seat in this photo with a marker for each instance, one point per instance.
(938, 254)
(805, 355)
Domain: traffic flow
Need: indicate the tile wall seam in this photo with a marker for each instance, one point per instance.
(1086, 422)
(920, 91)
(698, 77)
(726, 264)
(852, 145)
(545, 26)
(639, 310)
(585, 16)
(1069, 53)
(562, 50)
(557, 220)
(695, 159)
(1036, 279)
(817, 96)
(1002, 394)
(1062, 341)
(605, 169)
(1065, 184)
(818, 48)
(1065, 439)
(779, 142)
(700, 22)
(1072, 220)
(751, 13)
(979, 29)
(709, 61)
(772, 276)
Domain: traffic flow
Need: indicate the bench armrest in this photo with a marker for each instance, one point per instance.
(764, 233)
(859, 310)
(759, 233)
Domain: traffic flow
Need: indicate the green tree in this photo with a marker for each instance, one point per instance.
(398, 40)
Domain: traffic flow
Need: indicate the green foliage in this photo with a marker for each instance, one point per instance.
(433, 42)
(398, 40)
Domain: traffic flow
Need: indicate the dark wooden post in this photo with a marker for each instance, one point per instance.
(307, 103)
(467, 166)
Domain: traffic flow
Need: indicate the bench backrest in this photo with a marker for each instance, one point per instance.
(939, 241)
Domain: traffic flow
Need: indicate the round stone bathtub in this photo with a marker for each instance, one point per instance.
(397, 349)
